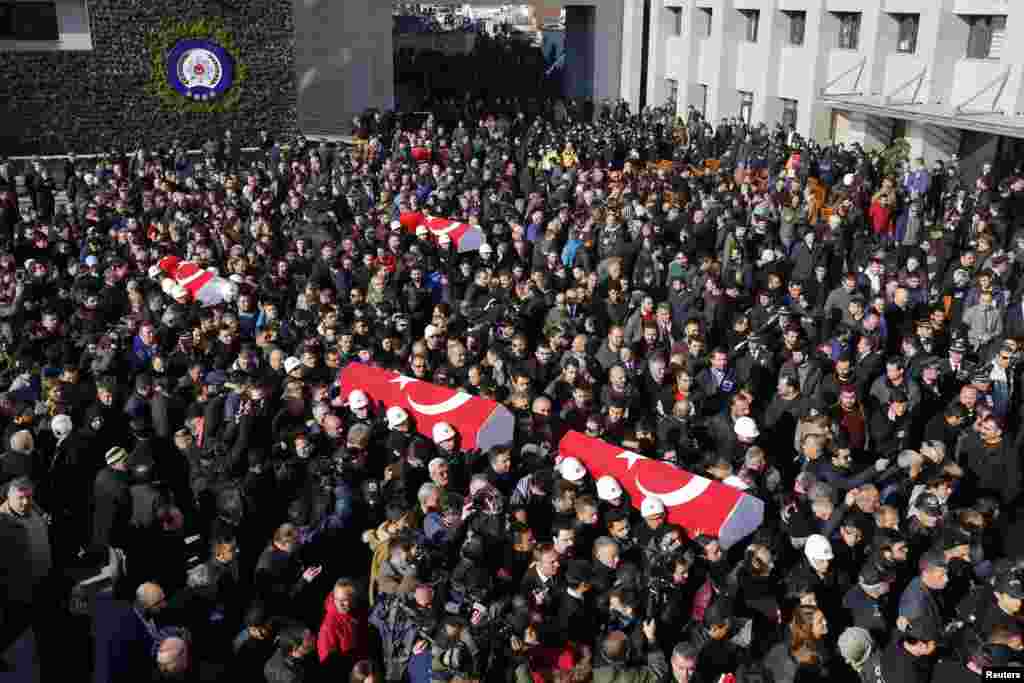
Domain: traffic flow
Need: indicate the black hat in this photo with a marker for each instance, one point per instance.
(923, 628)
(934, 559)
(959, 346)
(579, 572)
(954, 536)
(872, 575)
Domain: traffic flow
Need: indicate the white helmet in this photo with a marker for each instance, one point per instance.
(652, 506)
(443, 432)
(61, 425)
(572, 469)
(396, 415)
(608, 488)
(818, 547)
(357, 399)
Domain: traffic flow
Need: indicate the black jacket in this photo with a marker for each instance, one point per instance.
(284, 669)
(112, 507)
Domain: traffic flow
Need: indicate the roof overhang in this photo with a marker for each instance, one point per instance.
(981, 121)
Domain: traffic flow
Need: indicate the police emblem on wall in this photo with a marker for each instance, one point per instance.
(200, 70)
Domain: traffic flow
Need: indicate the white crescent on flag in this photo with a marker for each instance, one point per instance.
(453, 402)
(444, 231)
(690, 491)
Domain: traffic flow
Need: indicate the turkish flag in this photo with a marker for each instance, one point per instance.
(480, 423)
(421, 154)
(698, 504)
(464, 236)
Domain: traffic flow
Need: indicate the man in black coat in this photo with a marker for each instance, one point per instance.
(112, 501)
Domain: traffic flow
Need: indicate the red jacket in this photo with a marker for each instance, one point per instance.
(344, 634)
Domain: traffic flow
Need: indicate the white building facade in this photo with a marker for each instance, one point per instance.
(948, 75)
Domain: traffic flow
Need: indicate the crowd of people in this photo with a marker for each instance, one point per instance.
(188, 495)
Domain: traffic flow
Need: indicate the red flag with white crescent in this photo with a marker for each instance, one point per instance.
(479, 422)
(698, 504)
(464, 236)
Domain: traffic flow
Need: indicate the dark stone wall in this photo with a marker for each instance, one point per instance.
(53, 102)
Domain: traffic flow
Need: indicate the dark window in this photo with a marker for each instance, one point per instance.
(797, 26)
(671, 93)
(789, 113)
(986, 37)
(849, 30)
(676, 20)
(29, 21)
(746, 106)
(705, 17)
(907, 41)
(751, 19)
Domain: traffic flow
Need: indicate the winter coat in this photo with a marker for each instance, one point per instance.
(112, 507)
(284, 669)
(399, 624)
(655, 670)
(342, 634)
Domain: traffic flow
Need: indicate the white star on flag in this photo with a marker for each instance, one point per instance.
(402, 380)
(630, 458)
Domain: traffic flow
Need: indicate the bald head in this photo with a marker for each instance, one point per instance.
(149, 596)
(172, 656)
(22, 441)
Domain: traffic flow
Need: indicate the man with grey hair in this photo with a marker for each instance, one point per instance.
(17, 460)
(19, 507)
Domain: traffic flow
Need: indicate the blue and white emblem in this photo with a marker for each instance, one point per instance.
(200, 70)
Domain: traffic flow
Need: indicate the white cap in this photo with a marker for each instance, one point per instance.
(818, 547)
(848, 179)
(430, 331)
(395, 225)
(60, 425)
(291, 363)
(746, 428)
(608, 488)
(396, 415)
(651, 506)
(442, 432)
(572, 469)
(486, 248)
(421, 230)
(357, 399)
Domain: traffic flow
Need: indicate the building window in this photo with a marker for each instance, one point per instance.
(751, 19)
(797, 26)
(849, 30)
(746, 105)
(704, 18)
(675, 21)
(789, 113)
(986, 37)
(907, 41)
(702, 99)
(29, 21)
(672, 93)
